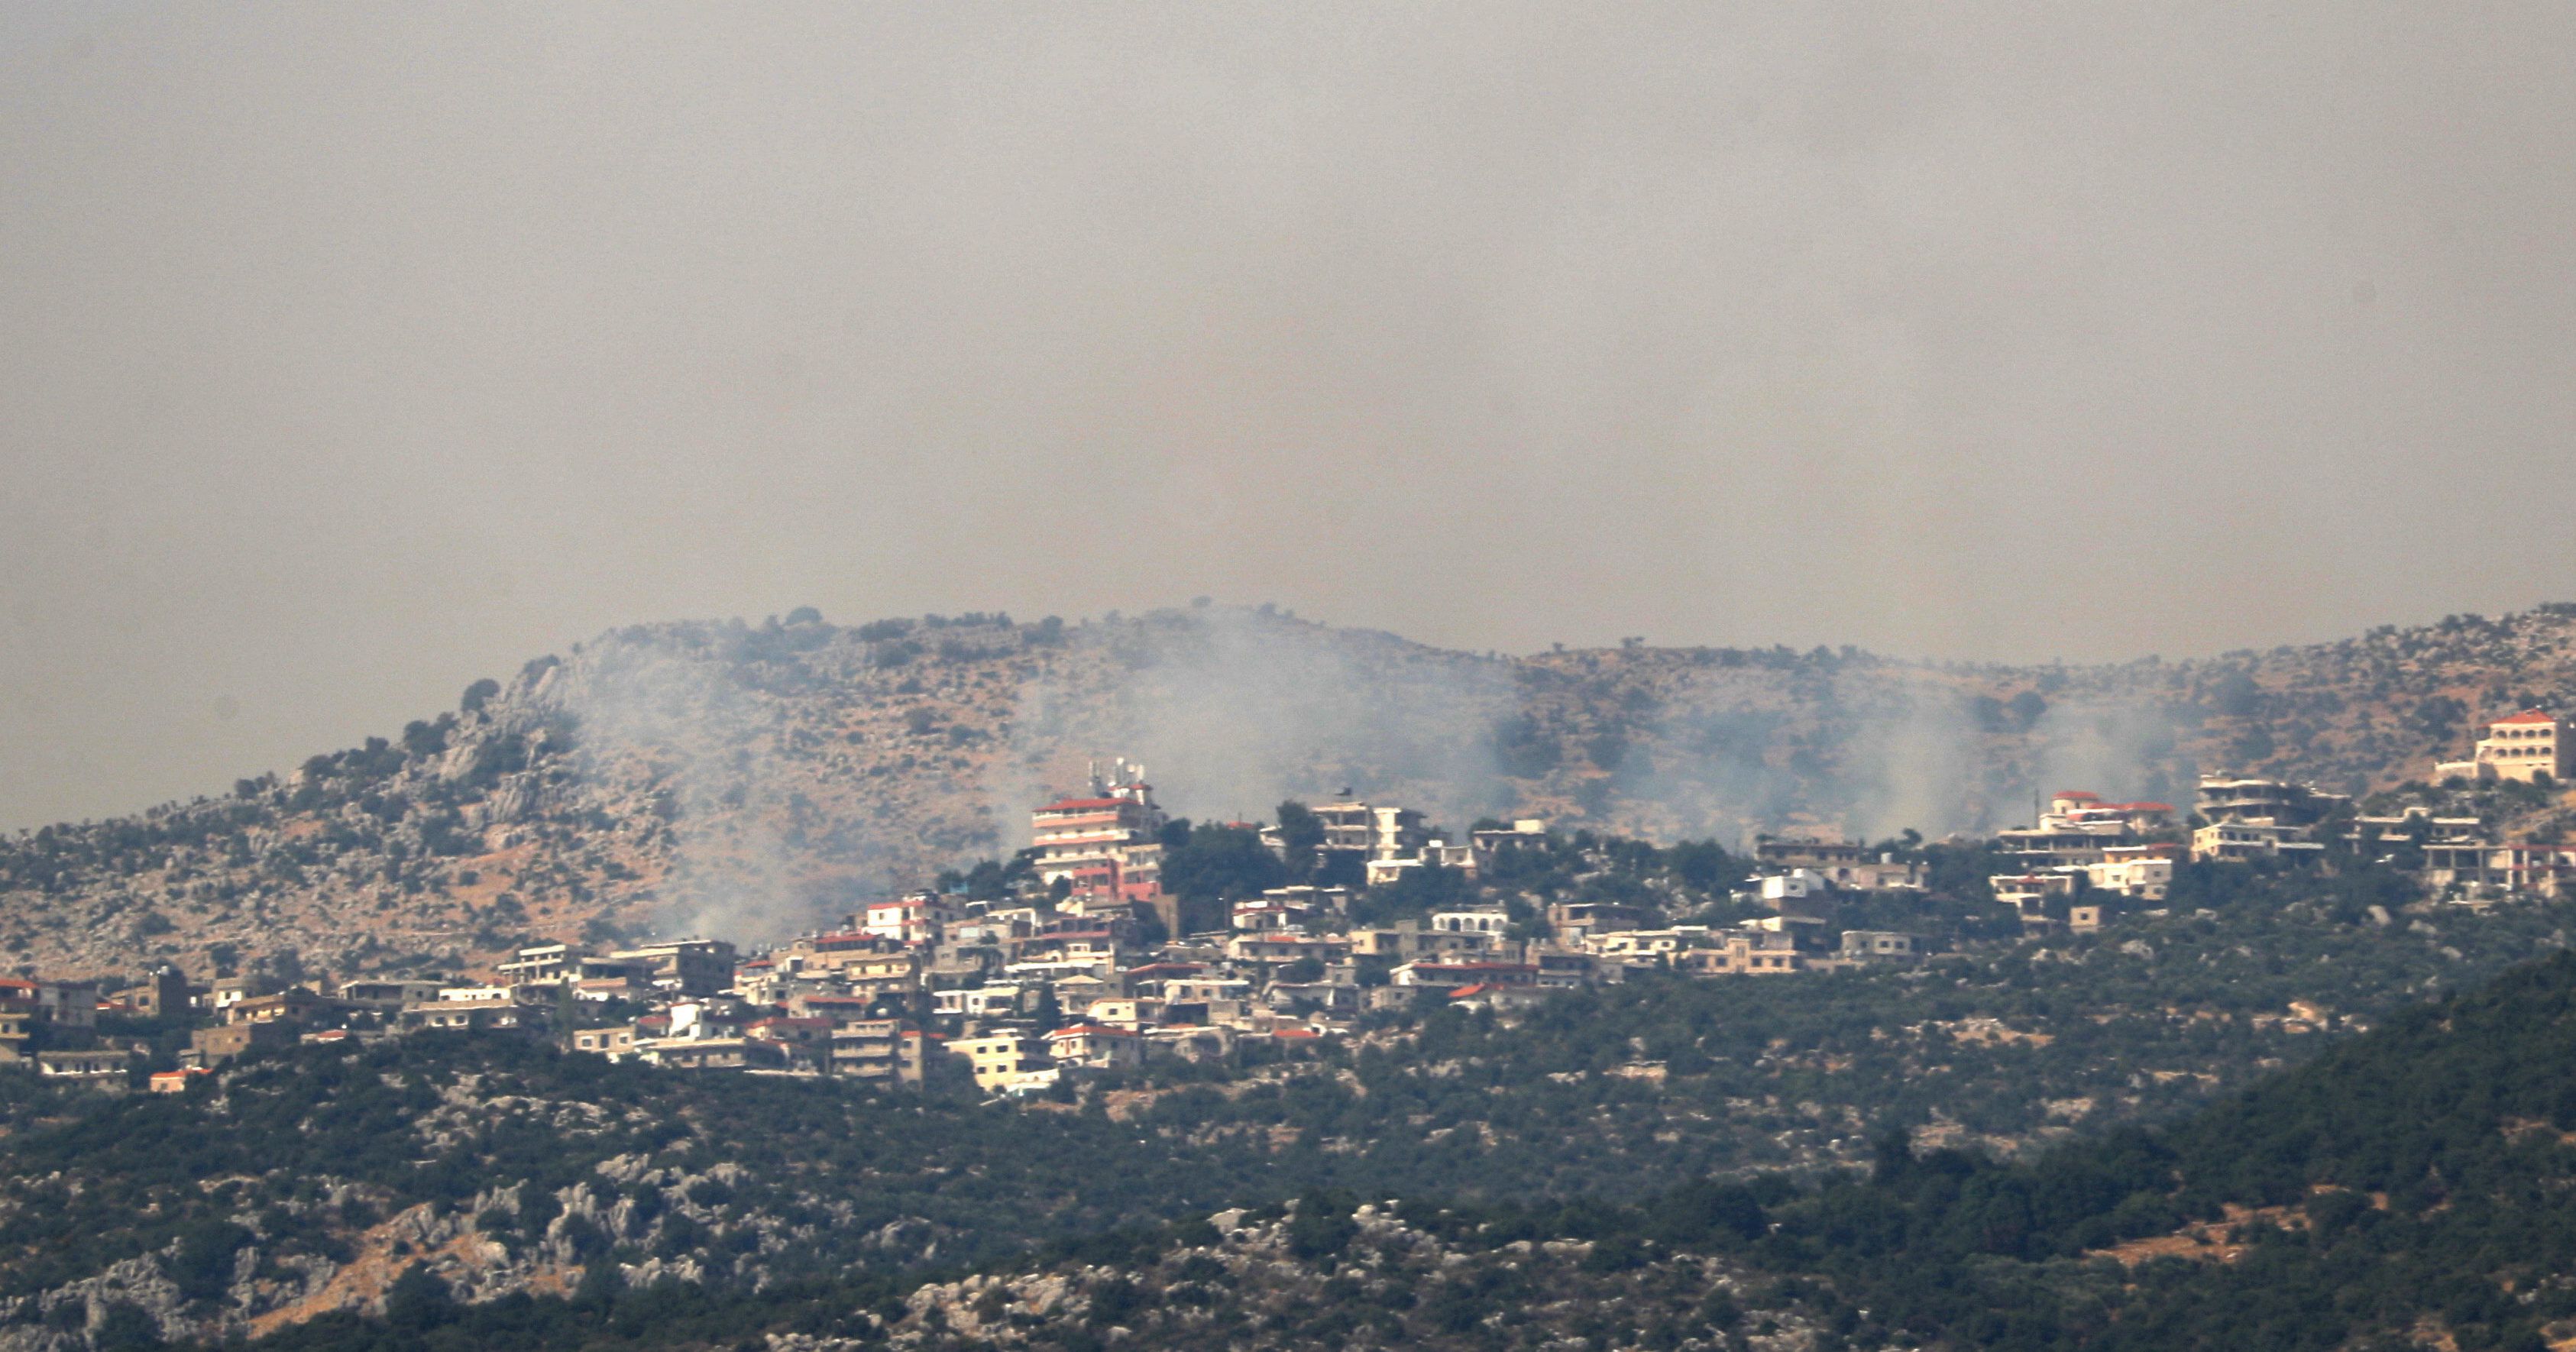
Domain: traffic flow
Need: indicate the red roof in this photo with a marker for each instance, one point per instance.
(2529, 716)
(1081, 804)
(1464, 991)
(1090, 1030)
(1294, 1032)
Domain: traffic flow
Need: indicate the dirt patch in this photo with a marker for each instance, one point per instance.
(2203, 1241)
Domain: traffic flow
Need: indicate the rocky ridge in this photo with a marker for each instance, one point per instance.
(755, 780)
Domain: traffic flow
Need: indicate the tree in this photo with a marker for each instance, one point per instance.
(1218, 863)
(1301, 835)
(478, 694)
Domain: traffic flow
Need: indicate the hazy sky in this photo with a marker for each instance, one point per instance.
(348, 353)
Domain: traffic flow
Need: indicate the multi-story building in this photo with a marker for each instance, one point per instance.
(2278, 802)
(1370, 831)
(540, 965)
(918, 919)
(2525, 747)
(995, 1058)
(1106, 847)
(881, 1051)
(2257, 838)
(2141, 872)
(690, 967)
(1741, 952)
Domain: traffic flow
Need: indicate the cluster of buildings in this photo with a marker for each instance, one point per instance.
(1100, 970)
(1102, 967)
(2082, 846)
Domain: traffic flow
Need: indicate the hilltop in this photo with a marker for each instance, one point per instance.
(758, 779)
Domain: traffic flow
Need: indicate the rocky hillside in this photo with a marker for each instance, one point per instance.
(754, 780)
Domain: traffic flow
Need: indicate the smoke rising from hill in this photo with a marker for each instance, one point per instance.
(1232, 710)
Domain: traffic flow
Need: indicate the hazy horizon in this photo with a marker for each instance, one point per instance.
(351, 355)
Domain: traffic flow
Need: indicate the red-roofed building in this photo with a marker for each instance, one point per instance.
(2525, 747)
(1106, 846)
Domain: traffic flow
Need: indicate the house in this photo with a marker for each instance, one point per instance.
(1125, 1011)
(1488, 995)
(1283, 948)
(1409, 940)
(713, 1053)
(17, 1030)
(993, 1058)
(2513, 869)
(805, 1039)
(388, 994)
(1877, 946)
(469, 1016)
(1489, 923)
(1369, 832)
(1799, 894)
(103, 1066)
(1782, 853)
(1575, 921)
(2280, 803)
(1492, 842)
(1434, 853)
(540, 965)
(177, 1081)
(2527, 746)
(615, 1043)
(1451, 975)
(1097, 1046)
(2254, 838)
(2139, 872)
(221, 1043)
(1758, 952)
(880, 1051)
(987, 1002)
(918, 919)
(163, 994)
(68, 1004)
(1647, 943)
(2029, 893)
(1202, 989)
(294, 1005)
(694, 967)
(1199, 1043)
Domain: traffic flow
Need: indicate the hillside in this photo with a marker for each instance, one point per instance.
(754, 780)
(1637, 1143)
(326, 1180)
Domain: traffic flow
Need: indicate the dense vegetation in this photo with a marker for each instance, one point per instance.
(2408, 1180)
(1597, 1099)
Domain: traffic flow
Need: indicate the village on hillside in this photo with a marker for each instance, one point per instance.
(1081, 958)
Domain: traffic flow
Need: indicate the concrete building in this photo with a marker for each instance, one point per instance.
(2222, 799)
(691, 967)
(1877, 946)
(2525, 747)
(1106, 846)
(1742, 953)
(2139, 872)
(2255, 839)
(995, 1058)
